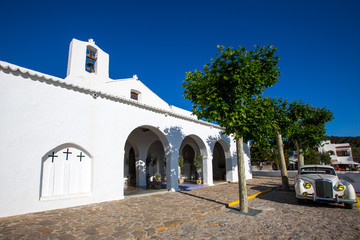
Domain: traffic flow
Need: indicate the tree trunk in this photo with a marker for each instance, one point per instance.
(300, 154)
(283, 167)
(243, 204)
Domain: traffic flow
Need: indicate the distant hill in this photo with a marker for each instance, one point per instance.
(354, 141)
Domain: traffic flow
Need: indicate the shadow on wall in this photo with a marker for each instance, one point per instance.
(211, 141)
(175, 137)
(222, 158)
(246, 154)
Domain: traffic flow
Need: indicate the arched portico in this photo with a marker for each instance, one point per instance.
(143, 143)
(193, 145)
(221, 161)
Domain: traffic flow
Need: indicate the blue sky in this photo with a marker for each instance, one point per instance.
(318, 43)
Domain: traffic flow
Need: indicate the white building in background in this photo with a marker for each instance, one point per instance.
(73, 141)
(340, 153)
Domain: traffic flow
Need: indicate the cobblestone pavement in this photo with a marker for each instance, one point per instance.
(196, 214)
(276, 215)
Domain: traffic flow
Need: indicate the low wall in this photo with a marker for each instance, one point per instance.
(273, 173)
(352, 177)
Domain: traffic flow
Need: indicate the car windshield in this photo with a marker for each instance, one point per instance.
(317, 170)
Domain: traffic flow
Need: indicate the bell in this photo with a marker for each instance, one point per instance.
(90, 63)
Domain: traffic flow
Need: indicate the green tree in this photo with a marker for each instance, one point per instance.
(325, 158)
(356, 152)
(280, 123)
(312, 157)
(221, 93)
(198, 163)
(274, 123)
(315, 157)
(307, 126)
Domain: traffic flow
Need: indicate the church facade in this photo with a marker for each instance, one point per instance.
(83, 139)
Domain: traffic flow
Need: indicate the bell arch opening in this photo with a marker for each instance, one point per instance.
(91, 58)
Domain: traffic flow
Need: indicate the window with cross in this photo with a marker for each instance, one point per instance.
(66, 171)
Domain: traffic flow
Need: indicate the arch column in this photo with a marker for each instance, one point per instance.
(172, 171)
(208, 169)
(121, 151)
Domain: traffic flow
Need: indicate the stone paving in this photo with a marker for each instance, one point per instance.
(275, 215)
(162, 215)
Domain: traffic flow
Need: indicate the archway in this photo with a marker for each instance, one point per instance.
(156, 160)
(144, 157)
(188, 171)
(219, 163)
(192, 145)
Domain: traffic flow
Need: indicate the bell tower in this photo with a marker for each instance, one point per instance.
(86, 60)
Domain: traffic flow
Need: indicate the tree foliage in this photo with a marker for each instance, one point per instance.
(297, 122)
(222, 91)
(307, 126)
(314, 157)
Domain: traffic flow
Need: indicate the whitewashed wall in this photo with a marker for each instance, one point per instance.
(41, 113)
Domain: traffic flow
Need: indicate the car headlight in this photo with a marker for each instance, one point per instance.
(307, 185)
(340, 187)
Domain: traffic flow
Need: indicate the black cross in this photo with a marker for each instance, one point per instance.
(52, 156)
(80, 156)
(67, 154)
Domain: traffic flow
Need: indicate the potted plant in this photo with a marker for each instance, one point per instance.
(181, 164)
(198, 160)
(158, 177)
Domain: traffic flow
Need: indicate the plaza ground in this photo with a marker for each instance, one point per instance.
(200, 213)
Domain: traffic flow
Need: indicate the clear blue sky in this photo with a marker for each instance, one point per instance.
(318, 43)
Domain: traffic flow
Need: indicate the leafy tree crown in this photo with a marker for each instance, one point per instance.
(220, 92)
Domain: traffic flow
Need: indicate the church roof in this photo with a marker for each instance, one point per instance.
(81, 86)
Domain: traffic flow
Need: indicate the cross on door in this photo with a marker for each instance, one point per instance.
(53, 156)
(67, 154)
(80, 156)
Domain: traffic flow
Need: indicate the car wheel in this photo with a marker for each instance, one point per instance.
(349, 205)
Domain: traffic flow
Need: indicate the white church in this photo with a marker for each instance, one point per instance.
(82, 139)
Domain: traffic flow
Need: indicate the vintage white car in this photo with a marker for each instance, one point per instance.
(320, 183)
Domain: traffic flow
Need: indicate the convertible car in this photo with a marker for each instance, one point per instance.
(320, 183)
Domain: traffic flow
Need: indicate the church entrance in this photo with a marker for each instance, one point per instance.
(219, 163)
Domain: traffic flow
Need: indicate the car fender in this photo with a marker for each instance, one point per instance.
(300, 188)
(349, 190)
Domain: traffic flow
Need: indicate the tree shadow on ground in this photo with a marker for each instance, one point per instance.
(203, 198)
(280, 196)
